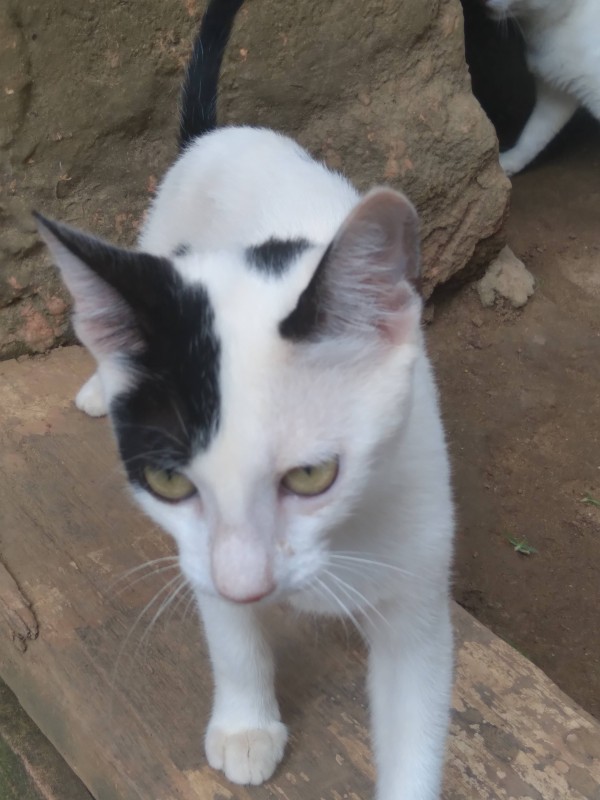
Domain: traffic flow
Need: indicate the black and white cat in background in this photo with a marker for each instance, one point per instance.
(261, 358)
(562, 39)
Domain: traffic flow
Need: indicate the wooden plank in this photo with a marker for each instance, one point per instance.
(30, 768)
(127, 708)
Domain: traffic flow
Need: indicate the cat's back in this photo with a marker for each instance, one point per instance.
(239, 186)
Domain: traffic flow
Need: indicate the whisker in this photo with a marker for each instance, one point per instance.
(190, 603)
(146, 564)
(315, 616)
(356, 557)
(115, 670)
(162, 456)
(162, 608)
(341, 604)
(176, 606)
(365, 573)
(347, 588)
(180, 419)
(144, 577)
(161, 431)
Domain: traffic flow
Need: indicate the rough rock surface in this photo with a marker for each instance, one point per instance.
(507, 278)
(381, 91)
(88, 99)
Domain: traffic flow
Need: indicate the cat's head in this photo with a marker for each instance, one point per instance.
(253, 392)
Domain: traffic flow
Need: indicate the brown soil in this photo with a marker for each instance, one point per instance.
(521, 395)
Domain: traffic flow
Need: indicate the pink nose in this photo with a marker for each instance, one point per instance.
(241, 570)
(245, 599)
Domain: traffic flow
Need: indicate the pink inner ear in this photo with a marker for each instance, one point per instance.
(384, 230)
(402, 315)
(103, 321)
(371, 269)
(108, 333)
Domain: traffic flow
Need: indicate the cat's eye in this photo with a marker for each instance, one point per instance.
(311, 480)
(168, 485)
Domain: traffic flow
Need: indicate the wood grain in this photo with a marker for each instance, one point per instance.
(125, 698)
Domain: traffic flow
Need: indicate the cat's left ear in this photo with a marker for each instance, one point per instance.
(114, 291)
(368, 281)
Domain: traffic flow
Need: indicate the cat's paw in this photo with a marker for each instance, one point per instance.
(90, 398)
(246, 756)
(511, 163)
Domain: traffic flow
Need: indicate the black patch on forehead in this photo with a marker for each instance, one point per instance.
(172, 410)
(305, 321)
(274, 256)
(182, 249)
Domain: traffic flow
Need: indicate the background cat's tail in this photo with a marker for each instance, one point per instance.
(199, 95)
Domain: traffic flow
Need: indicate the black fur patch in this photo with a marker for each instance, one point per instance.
(275, 255)
(305, 321)
(182, 249)
(172, 411)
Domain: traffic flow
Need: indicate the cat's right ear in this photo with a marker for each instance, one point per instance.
(367, 285)
(113, 289)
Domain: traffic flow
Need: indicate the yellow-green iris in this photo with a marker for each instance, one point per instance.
(311, 480)
(168, 484)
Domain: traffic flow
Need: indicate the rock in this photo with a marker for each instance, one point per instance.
(379, 90)
(507, 278)
(428, 313)
(88, 117)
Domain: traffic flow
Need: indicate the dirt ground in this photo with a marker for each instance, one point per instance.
(521, 395)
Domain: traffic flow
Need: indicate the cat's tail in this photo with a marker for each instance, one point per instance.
(199, 95)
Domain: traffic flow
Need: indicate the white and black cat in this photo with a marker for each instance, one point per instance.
(262, 361)
(563, 52)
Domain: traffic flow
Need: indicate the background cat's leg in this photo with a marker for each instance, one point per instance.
(245, 737)
(90, 398)
(410, 682)
(552, 110)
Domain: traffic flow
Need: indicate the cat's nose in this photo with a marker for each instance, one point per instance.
(244, 591)
(241, 569)
(248, 599)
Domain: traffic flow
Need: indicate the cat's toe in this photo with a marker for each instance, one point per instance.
(248, 756)
(90, 398)
(510, 164)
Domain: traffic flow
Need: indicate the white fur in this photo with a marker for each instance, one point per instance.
(376, 546)
(563, 53)
(90, 398)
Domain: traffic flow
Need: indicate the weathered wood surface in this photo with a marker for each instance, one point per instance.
(127, 709)
(30, 768)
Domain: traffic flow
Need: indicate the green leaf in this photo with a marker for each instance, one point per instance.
(591, 501)
(521, 546)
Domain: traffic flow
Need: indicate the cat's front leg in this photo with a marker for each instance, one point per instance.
(552, 110)
(245, 737)
(410, 681)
